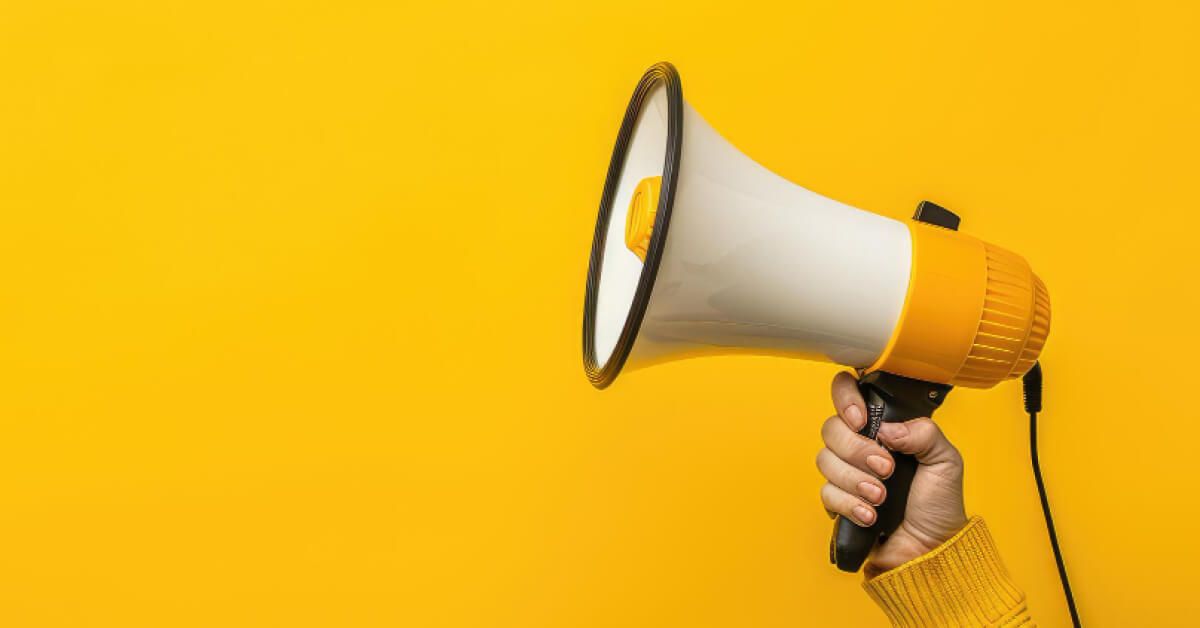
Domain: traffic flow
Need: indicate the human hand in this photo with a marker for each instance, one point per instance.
(855, 466)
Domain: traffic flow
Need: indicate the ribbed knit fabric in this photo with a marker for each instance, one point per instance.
(961, 583)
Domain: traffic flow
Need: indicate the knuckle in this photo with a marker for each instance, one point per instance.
(829, 428)
(844, 389)
(827, 496)
(851, 477)
(933, 438)
(924, 432)
(835, 498)
(923, 427)
(847, 444)
(861, 447)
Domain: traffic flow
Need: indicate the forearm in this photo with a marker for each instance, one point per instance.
(960, 583)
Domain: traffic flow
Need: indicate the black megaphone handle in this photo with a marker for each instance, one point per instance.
(890, 399)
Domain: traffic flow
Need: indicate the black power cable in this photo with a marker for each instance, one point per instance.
(1031, 385)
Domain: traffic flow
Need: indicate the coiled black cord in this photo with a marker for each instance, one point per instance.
(1031, 385)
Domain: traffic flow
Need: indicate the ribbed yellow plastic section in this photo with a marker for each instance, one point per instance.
(1014, 324)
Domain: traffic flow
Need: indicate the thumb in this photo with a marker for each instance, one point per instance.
(920, 437)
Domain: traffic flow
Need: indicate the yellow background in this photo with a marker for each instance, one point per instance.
(291, 298)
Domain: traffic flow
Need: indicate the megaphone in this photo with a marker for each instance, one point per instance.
(698, 250)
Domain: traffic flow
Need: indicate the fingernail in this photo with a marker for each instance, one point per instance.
(855, 417)
(873, 493)
(893, 431)
(880, 465)
(864, 514)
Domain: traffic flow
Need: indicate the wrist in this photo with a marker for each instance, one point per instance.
(913, 540)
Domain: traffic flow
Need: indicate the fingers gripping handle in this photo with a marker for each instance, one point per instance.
(851, 543)
(890, 399)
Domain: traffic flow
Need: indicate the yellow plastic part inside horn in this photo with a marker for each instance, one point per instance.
(639, 220)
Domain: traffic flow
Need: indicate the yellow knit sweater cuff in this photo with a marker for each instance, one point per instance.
(961, 583)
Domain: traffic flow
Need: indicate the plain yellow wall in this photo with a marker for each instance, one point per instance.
(291, 299)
